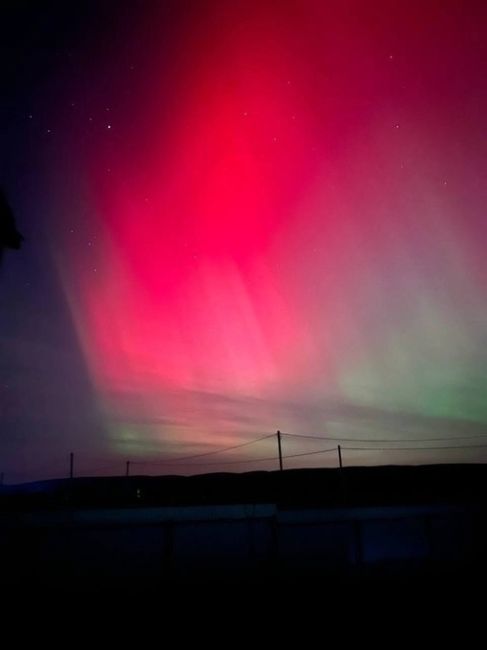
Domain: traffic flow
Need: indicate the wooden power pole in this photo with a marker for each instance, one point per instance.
(280, 449)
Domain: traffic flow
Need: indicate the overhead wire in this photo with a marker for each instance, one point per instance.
(207, 453)
(382, 440)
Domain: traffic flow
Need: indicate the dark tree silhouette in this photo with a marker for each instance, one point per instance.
(9, 235)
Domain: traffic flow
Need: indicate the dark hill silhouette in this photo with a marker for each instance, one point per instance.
(299, 488)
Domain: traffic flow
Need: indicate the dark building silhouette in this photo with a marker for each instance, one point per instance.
(9, 235)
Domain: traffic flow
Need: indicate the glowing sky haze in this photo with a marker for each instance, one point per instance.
(259, 215)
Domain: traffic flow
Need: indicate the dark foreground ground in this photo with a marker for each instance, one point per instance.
(336, 534)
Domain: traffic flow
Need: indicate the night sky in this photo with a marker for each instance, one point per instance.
(243, 216)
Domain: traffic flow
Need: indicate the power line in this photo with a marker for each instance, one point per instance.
(415, 448)
(390, 445)
(311, 453)
(324, 451)
(234, 462)
(207, 453)
(252, 460)
(373, 440)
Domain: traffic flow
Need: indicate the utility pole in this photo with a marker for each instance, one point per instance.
(280, 449)
(127, 468)
(342, 480)
(71, 465)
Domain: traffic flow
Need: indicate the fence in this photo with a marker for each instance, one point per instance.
(108, 547)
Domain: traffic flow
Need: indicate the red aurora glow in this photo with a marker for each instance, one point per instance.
(271, 205)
